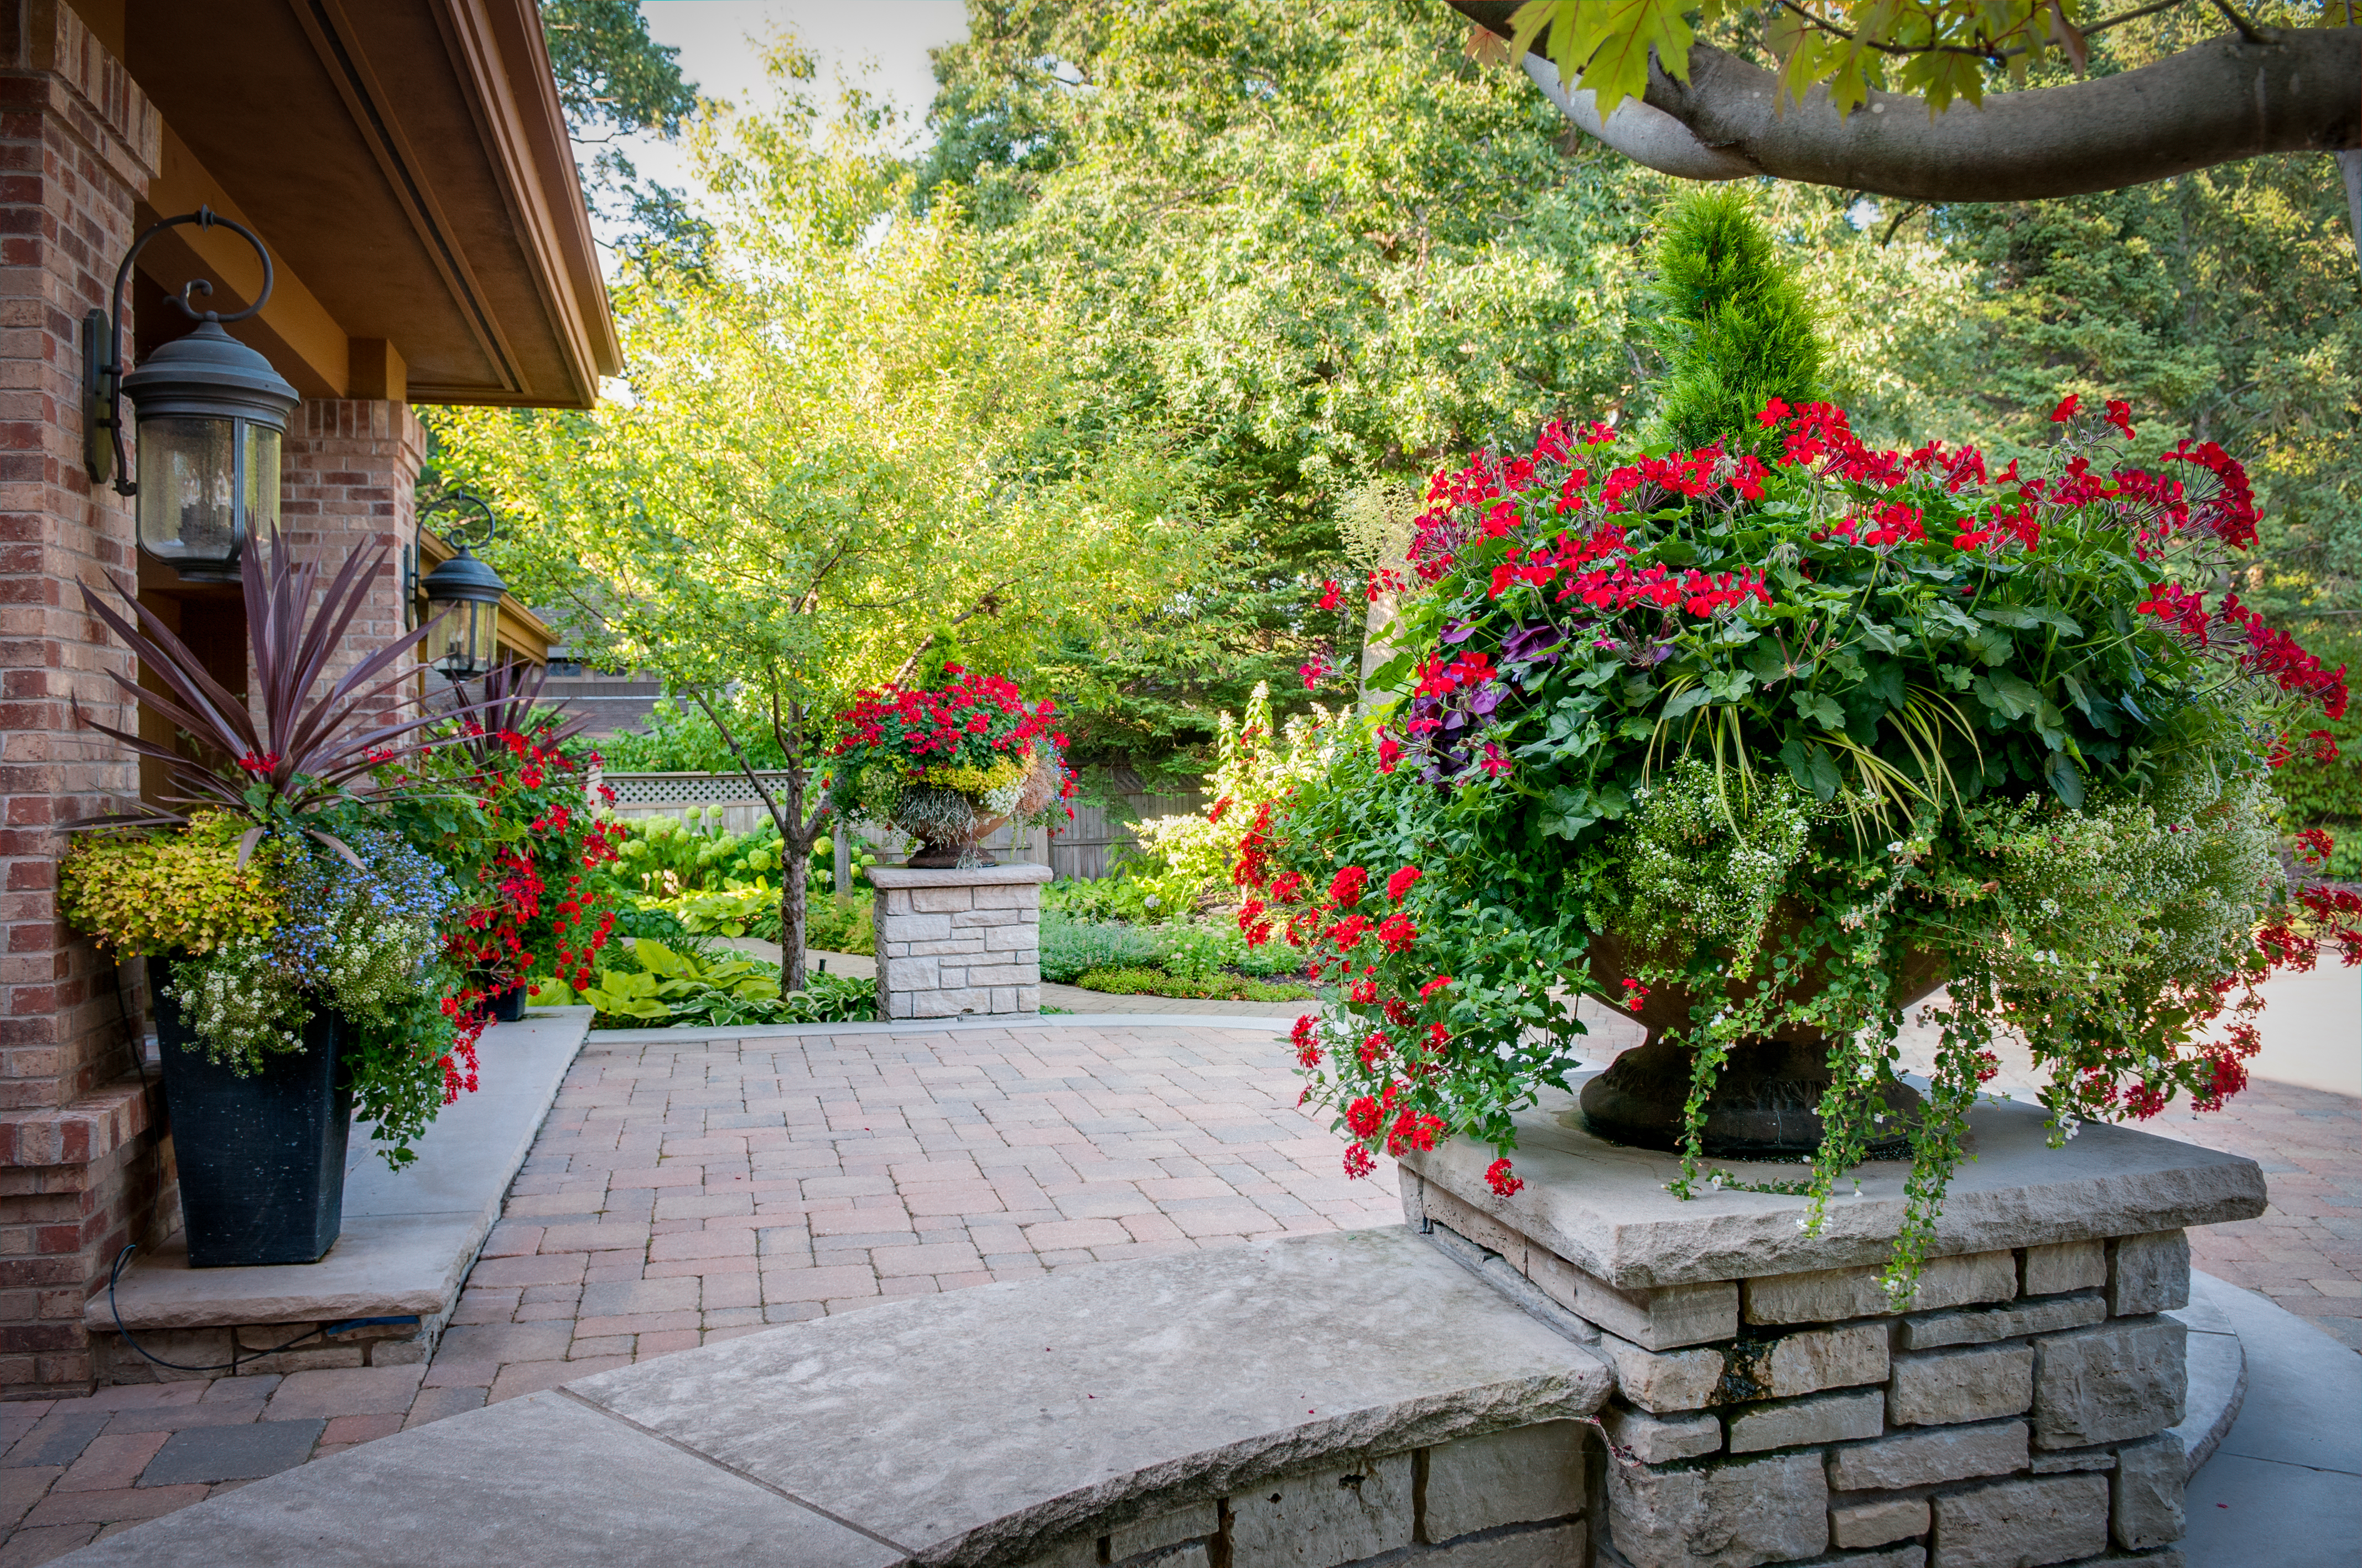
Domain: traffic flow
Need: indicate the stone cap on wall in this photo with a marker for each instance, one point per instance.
(960, 876)
(975, 1427)
(1603, 1207)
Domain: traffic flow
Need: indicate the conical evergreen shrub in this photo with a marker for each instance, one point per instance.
(1737, 329)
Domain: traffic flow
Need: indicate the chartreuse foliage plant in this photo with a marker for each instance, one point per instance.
(1765, 728)
(145, 894)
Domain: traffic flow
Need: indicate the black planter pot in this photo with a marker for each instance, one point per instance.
(509, 1006)
(261, 1159)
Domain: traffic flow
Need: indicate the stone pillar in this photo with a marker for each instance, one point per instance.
(347, 479)
(80, 1169)
(1773, 1405)
(959, 942)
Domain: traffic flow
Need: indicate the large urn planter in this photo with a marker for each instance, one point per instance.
(1766, 1102)
(261, 1158)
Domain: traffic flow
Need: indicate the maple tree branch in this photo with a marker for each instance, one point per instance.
(2223, 100)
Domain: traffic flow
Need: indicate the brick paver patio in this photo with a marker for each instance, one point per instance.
(684, 1191)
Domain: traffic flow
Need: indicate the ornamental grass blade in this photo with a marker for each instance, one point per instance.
(246, 843)
(218, 791)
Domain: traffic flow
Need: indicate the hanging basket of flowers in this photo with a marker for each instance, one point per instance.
(950, 766)
(1762, 740)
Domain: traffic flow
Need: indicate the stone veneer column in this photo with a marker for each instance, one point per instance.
(348, 478)
(959, 942)
(1773, 1406)
(80, 1172)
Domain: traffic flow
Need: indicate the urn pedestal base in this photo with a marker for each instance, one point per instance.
(1766, 1102)
(958, 941)
(1773, 1405)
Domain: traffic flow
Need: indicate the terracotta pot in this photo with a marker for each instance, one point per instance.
(1766, 1102)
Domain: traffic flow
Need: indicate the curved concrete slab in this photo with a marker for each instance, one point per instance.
(975, 1427)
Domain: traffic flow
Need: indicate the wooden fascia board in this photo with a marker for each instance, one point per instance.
(294, 330)
(324, 22)
(511, 91)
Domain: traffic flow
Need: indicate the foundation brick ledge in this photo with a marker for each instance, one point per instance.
(959, 941)
(85, 1133)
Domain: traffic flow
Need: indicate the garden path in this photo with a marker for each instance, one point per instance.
(686, 1190)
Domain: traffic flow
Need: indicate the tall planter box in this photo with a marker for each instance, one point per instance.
(262, 1158)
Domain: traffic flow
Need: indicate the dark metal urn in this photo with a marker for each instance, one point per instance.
(261, 1159)
(1766, 1102)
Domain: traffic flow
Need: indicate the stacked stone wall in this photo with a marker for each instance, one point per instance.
(959, 942)
(2016, 1415)
(1508, 1499)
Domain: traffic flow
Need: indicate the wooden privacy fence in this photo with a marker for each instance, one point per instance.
(1086, 847)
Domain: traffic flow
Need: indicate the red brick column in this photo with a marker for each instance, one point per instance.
(349, 470)
(79, 1166)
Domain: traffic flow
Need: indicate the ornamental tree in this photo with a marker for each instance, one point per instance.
(833, 458)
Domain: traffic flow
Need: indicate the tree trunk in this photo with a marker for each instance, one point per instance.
(795, 855)
(797, 830)
(2223, 100)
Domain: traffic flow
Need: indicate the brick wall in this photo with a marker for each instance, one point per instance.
(79, 1169)
(351, 465)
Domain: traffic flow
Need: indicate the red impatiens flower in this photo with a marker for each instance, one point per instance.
(2120, 414)
(1498, 1178)
(1399, 883)
(2066, 409)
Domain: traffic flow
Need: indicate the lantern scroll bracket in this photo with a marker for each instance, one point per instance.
(102, 375)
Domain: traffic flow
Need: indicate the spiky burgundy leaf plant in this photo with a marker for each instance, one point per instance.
(302, 741)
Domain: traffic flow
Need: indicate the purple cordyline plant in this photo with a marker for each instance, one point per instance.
(304, 752)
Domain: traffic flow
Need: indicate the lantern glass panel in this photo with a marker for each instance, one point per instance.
(261, 479)
(466, 638)
(188, 489)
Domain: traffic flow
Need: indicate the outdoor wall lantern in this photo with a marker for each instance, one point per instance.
(211, 411)
(466, 594)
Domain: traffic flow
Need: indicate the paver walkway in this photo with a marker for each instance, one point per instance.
(683, 1192)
